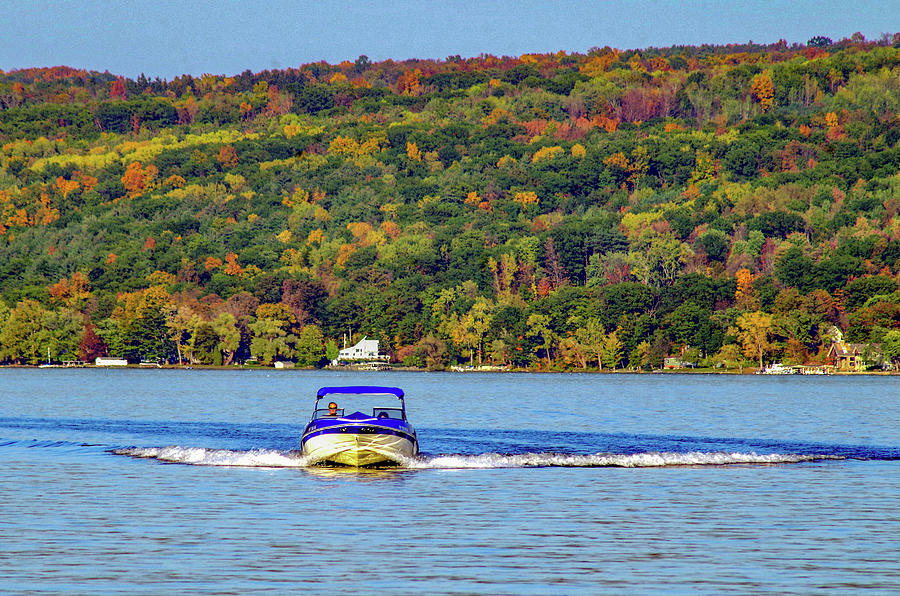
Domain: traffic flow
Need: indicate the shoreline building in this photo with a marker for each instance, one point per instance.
(110, 361)
(365, 350)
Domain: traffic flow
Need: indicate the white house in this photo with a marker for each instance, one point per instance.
(365, 350)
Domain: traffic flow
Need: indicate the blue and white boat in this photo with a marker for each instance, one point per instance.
(383, 437)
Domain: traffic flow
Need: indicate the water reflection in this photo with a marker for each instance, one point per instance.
(356, 474)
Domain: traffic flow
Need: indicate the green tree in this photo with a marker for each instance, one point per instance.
(63, 331)
(612, 350)
(193, 329)
(31, 333)
(271, 340)
(331, 350)
(539, 329)
(310, 348)
(272, 337)
(228, 335)
(4, 317)
(204, 343)
(659, 263)
(819, 41)
(796, 269)
(592, 336)
(729, 356)
(500, 351)
(890, 346)
(640, 356)
(692, 325)
(21, 338)
(141, 319)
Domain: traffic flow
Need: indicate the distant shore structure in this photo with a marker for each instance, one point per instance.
(365, 350)
(107, 361)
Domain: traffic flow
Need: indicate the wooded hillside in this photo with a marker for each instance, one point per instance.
(721, 203)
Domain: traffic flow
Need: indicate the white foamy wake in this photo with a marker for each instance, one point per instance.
(269, 458)
(198, 456)
(636, 460)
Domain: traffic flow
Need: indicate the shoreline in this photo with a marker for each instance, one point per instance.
(685, 371)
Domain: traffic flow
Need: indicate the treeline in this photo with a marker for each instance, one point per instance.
(599, 210)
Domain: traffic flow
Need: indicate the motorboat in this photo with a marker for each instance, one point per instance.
(777, 368)
(371, 435)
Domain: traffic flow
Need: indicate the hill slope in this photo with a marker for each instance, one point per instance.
(552, 210)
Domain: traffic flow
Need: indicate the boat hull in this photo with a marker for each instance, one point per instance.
(349, 446)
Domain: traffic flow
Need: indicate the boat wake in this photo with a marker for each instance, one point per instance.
(608, 460)
(199, 456)
(268, 458)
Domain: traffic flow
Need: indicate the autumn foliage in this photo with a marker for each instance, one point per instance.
(605, 208)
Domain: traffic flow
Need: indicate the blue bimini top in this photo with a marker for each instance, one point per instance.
(360, 390)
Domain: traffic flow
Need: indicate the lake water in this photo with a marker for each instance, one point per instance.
(527, 484)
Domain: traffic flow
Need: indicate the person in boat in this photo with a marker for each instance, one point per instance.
(332, 409)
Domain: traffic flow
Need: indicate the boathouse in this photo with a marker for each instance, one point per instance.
(847, 357)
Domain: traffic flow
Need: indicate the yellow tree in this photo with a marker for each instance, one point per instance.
(743, 294)
(754, 332)
(526, 197)
(178, 324)
(413, 152)
(546, 153)
(763, 90)
(476, 322)
(504, 275)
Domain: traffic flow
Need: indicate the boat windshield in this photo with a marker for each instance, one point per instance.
(367, 405)
(394, 413)
(323, 413)
(380, 413)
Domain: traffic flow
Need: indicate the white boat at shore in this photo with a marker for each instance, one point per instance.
(777, 368)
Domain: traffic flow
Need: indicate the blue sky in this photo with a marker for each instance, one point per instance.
(167, 38)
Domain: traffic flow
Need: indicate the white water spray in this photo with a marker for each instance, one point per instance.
(269, 458)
